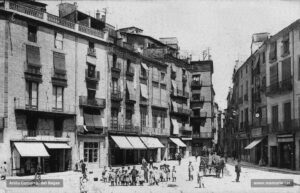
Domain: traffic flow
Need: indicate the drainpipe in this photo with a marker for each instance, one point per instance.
(293, 75)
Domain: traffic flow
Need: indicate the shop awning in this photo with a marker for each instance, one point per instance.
(152, 142)
(253, 143)
(97, 121)
(144, 91)
(186, 138)
(136, 142)
(145, 66)
(122, 142)
(28, 149)
(175, 126)
(57, 146)
(178, 142)
(130, 90)
(89, 120)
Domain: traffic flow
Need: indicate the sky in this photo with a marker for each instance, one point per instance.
(225, 26)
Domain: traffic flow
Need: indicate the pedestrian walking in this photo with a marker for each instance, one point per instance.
(83, 184)
(190, 171)
(146, 173)
(134, 175)
(179, 158)
(174, 174)
(151, 162)
(222, 166)
(83, 167)
(141, 175)
(238, 170)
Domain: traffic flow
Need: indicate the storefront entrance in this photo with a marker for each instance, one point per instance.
(286, 155)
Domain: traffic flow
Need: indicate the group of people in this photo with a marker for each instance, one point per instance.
(127, 176)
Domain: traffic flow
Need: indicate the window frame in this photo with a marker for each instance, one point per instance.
(29, 93)
(91, 151)
(55, 99)
(57, 40)
(32, 32)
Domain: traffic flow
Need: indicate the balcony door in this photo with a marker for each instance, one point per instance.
(287, 116)
(32, 95)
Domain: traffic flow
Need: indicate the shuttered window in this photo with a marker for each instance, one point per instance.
(274, 74)
(286, 69)
(33, 55)
(59, 62)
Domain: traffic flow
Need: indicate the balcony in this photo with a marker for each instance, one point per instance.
(60, 21)
(181, 111)
(49, 18)
(92, 76)
(116, 69)
(91, 31)
(43, 108)
(198, 115)
(180, 94)
(154, 131)
(246, 97)
(130, 73)
(26, 10)
(197, 99)
(32, 73)
(281, 87)
(143, 101)
(59, 77)
(196, 84)
(127, 128)
(185, 128)
(91, 52)
(97, 103)
(116, 95)
(202, 135)
(290, 126)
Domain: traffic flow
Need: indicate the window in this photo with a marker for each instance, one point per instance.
(91, 45)
(285, 45)
(247, 68)
(128, 65)
(154, 120)
(91, 152)
(58, 127)
(31, 94)
(241, 72)
(286, 69)
(32, 124)
(246, 88)
(273, 51)
(143, 118)
(115, 85)
(143, 72)
(59, 62)
(91, 94)
(162, 76)
(287, 114)
(264, 57)
(241, 90)
(91, 70)
(155, 84)
(162, 121)
(274, 74)
(58, 40)
(196, 77)
(163, 86)
(114, 60)
(32, 31)
(114, 118)
(128, 118)
(275, 116)
(58, 98)
(299, 68)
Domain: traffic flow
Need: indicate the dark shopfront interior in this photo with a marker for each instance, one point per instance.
(286, 155)
(120, 157)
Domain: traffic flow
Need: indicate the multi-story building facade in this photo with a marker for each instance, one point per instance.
(282, 77)
(202, 105)
(273, 107)
(73, 88)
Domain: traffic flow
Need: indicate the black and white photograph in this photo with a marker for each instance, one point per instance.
(149, 96)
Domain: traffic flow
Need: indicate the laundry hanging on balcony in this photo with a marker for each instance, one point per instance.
(144, 91)
(174, 104)
(175, 126)
(131, 90)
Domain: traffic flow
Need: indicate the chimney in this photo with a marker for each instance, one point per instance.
(98, 14)
(103, 18)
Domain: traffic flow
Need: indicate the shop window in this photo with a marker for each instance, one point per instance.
(32, 31)
(91, 152)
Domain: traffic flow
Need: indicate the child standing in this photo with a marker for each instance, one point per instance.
(174, 174)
